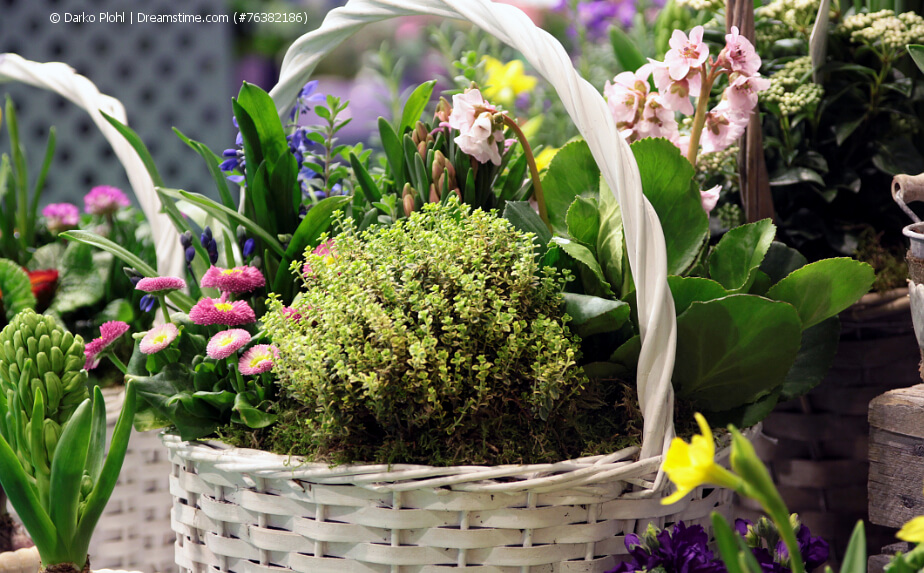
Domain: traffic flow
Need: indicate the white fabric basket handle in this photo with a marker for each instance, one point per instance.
(585, 105)
(63, 80)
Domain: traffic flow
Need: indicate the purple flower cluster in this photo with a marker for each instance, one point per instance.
(683, 549)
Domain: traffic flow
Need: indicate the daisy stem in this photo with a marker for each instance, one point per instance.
(119, 364)
(239, 385)
(163, 305)
(702, 104)
(533, 170)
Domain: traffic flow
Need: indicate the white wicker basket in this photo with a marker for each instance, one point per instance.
(244, 510)
(134, 531)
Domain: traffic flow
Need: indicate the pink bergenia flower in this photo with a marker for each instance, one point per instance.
(109, 332)
(739, 54)
(104, 200)
(226, 343)
(724, 125)
(676, 93)
(626, 97)
(658, 120)
(237, 280)
(221, 311)
(474, 118)
(158, 338)
(686, 53)
(61, 216)
(709, 198)
(160, 285)
(742, 92)
(258, 359)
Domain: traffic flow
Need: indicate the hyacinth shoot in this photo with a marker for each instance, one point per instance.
(437, 340)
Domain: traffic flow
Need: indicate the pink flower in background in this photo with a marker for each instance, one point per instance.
(237, 280)
(221, 311)
(160, 285)
(709, 198)
(158, 338)
(686, 53)
(739, 54)
(474, 118)
(724, 125)
(326, 250)
(258, 359)
(658, 120)
(676, 93)
(742, 92)
(61, 216)
(291, 314)
(626, 96)
(226, 343)
(109, 332)
(104, 200)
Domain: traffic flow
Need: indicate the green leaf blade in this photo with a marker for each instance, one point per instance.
(824, 288)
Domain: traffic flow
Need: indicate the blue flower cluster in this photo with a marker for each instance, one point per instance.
(683, 549)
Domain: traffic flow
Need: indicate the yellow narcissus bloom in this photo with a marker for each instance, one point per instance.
(545, 157)
(692, 465)
(506, 81)
(913, 531)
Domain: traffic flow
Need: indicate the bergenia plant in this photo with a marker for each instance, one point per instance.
(53, 465)
(688, 72)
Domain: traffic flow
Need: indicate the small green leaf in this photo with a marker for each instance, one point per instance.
(687, 290)
(733, 350)
(415, 105)
(593, 315)
(627, 53)
(67, 468)
(25, 500)
(80, 283)
(917, 54)
(781, 260)
(583, 220)
(795, 175)
(522, 216)
(316, 222)
(15, 288)
(394, 152)
(734, 261)
(213, 164)
(252, 417)
(135, 141)
(855, 556)
(747, 415)
(572, 172)
(262, 112)
(824, 288)
(585, 257)
(816, 355)
(611, 242)
(368, 186)
(726, 539)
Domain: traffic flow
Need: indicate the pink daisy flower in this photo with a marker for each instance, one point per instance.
(291, 314)
(222, 311)
(160, 285)
(258, 359)
(61, 216)
(236, 280)
(109, 333)
(158, 338)
(104, 200)
(326, 250)
(226, 343)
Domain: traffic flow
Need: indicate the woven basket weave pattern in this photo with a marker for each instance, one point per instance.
(283, 521)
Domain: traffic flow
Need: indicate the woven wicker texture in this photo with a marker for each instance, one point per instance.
(229, 515)
(134, 532)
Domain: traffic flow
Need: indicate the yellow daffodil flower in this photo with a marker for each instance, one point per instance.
(913, 531)
(692, 465)
(505, 81)
(545, 157)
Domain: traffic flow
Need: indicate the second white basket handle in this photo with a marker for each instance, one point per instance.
(588, 110)
(63, 80)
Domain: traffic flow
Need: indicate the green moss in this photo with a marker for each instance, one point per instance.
(438, 340)
(889, 264)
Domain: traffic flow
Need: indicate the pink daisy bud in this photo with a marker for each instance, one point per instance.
(258, 359)
(160, 285)
(60, 216)
(158, 338)
(709, 198)
(222, 311)
(109, 333)
(226, 343)
(686, 53)
(739, 54)
(104, 200)
(475, 120)
(236, 280)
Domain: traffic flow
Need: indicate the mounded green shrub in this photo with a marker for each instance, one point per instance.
(436, 340)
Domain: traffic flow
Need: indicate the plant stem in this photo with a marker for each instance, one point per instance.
(702, 104)
(533, 170)
(163, 306)
(780, 516)
(119, 364)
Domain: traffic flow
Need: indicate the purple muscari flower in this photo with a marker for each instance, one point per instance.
(211, 246)
(234, 158)
(190, 253)
(249, 247)
(306, 99)
(147, 303)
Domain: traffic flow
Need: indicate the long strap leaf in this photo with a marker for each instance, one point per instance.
(97, 436)
(25, 500)
(98, 498)
(66, 472)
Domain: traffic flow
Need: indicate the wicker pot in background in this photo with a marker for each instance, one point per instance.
(816, 446)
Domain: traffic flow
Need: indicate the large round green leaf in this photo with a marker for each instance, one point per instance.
(733, 350)
(666, 181)
(822, 289)
(15, 288)
(740, 252)
(687, 290)
(571, 173)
